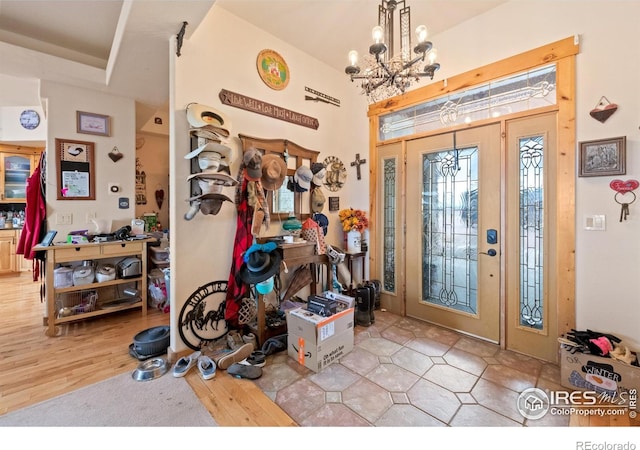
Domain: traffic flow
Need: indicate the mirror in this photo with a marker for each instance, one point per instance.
(283, 201)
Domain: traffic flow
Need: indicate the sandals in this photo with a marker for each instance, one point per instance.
(185, 364)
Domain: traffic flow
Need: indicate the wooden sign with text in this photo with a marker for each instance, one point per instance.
(267, 109)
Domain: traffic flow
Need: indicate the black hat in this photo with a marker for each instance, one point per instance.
(260, 266)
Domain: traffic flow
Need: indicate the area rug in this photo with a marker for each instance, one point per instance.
(118, 402)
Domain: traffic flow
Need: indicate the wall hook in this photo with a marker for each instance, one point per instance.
(180, 37)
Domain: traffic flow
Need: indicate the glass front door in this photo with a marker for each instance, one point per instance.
(453, 230)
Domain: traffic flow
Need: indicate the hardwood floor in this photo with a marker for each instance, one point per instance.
(34, 367)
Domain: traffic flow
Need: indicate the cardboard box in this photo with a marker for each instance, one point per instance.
(581, 371)
(344, 300)
(315, 341)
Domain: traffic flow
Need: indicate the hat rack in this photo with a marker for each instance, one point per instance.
(291, 152)
(209, 130)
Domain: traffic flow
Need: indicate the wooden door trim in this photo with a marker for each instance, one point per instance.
(561, 52)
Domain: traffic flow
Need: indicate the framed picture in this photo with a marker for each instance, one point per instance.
(89, 123)
(603, 157)
(75, 170)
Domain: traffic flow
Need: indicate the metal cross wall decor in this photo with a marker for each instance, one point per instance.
(357, 164)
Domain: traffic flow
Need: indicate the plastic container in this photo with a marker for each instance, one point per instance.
(83, 274)
(105, 272)
(63, 277)
(157, 289)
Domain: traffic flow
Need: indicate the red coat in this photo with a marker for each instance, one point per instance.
(34, 218)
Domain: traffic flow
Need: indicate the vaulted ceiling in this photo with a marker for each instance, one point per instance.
(121, 46)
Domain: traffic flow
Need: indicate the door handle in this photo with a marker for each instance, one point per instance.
(490, 252)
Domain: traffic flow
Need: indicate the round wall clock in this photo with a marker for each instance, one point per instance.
(29, 119)
(273, 69)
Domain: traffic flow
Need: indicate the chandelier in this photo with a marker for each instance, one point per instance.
(386, 74)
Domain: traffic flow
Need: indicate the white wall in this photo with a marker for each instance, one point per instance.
(12, 131)
(607, 262)
(63, 102)
(221, 54)
(154, 158)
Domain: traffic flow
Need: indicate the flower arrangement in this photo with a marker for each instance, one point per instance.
(353, 220)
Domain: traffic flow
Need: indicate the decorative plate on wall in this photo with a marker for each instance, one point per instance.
(273, 69)
(336, 174)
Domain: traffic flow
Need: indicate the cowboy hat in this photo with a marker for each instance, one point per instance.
(210, 164)
(200, 115)
(211, 203)
(223, 150)
(260, 266)
(212, 189)
(211, 133)
(274, 170)
(218, 178)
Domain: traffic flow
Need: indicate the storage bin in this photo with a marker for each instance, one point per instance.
(157, 289)
(63, 277)
(159, 253)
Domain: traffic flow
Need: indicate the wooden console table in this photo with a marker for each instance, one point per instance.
(106, 294)
(293, 255)
(349, 258)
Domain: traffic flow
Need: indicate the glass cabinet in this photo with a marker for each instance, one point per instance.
(16, 165)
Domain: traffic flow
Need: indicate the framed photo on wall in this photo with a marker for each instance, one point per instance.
(90, 123)
(603, 157)
(75, 170)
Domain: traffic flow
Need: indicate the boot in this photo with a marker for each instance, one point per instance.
(372, 301)
(378, 288)
(363, 317)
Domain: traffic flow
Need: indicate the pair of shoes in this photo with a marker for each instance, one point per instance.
(244, 371)
(225, 358)
(207, 367)
(250, 338)
(275, 344)
(234, 340)
(185, 364)
(257, 358)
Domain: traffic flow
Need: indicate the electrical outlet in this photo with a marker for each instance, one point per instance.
(91, 216)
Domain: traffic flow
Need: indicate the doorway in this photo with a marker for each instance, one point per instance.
(453, 230)
(475, 253)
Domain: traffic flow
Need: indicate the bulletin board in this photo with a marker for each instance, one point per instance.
(75, 170)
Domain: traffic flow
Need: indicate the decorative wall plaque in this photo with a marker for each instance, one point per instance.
(273, 69)
(267, 109)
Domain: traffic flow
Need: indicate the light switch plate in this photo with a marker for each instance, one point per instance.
(595, 222)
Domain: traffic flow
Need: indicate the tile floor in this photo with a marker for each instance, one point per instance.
(404, 372)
